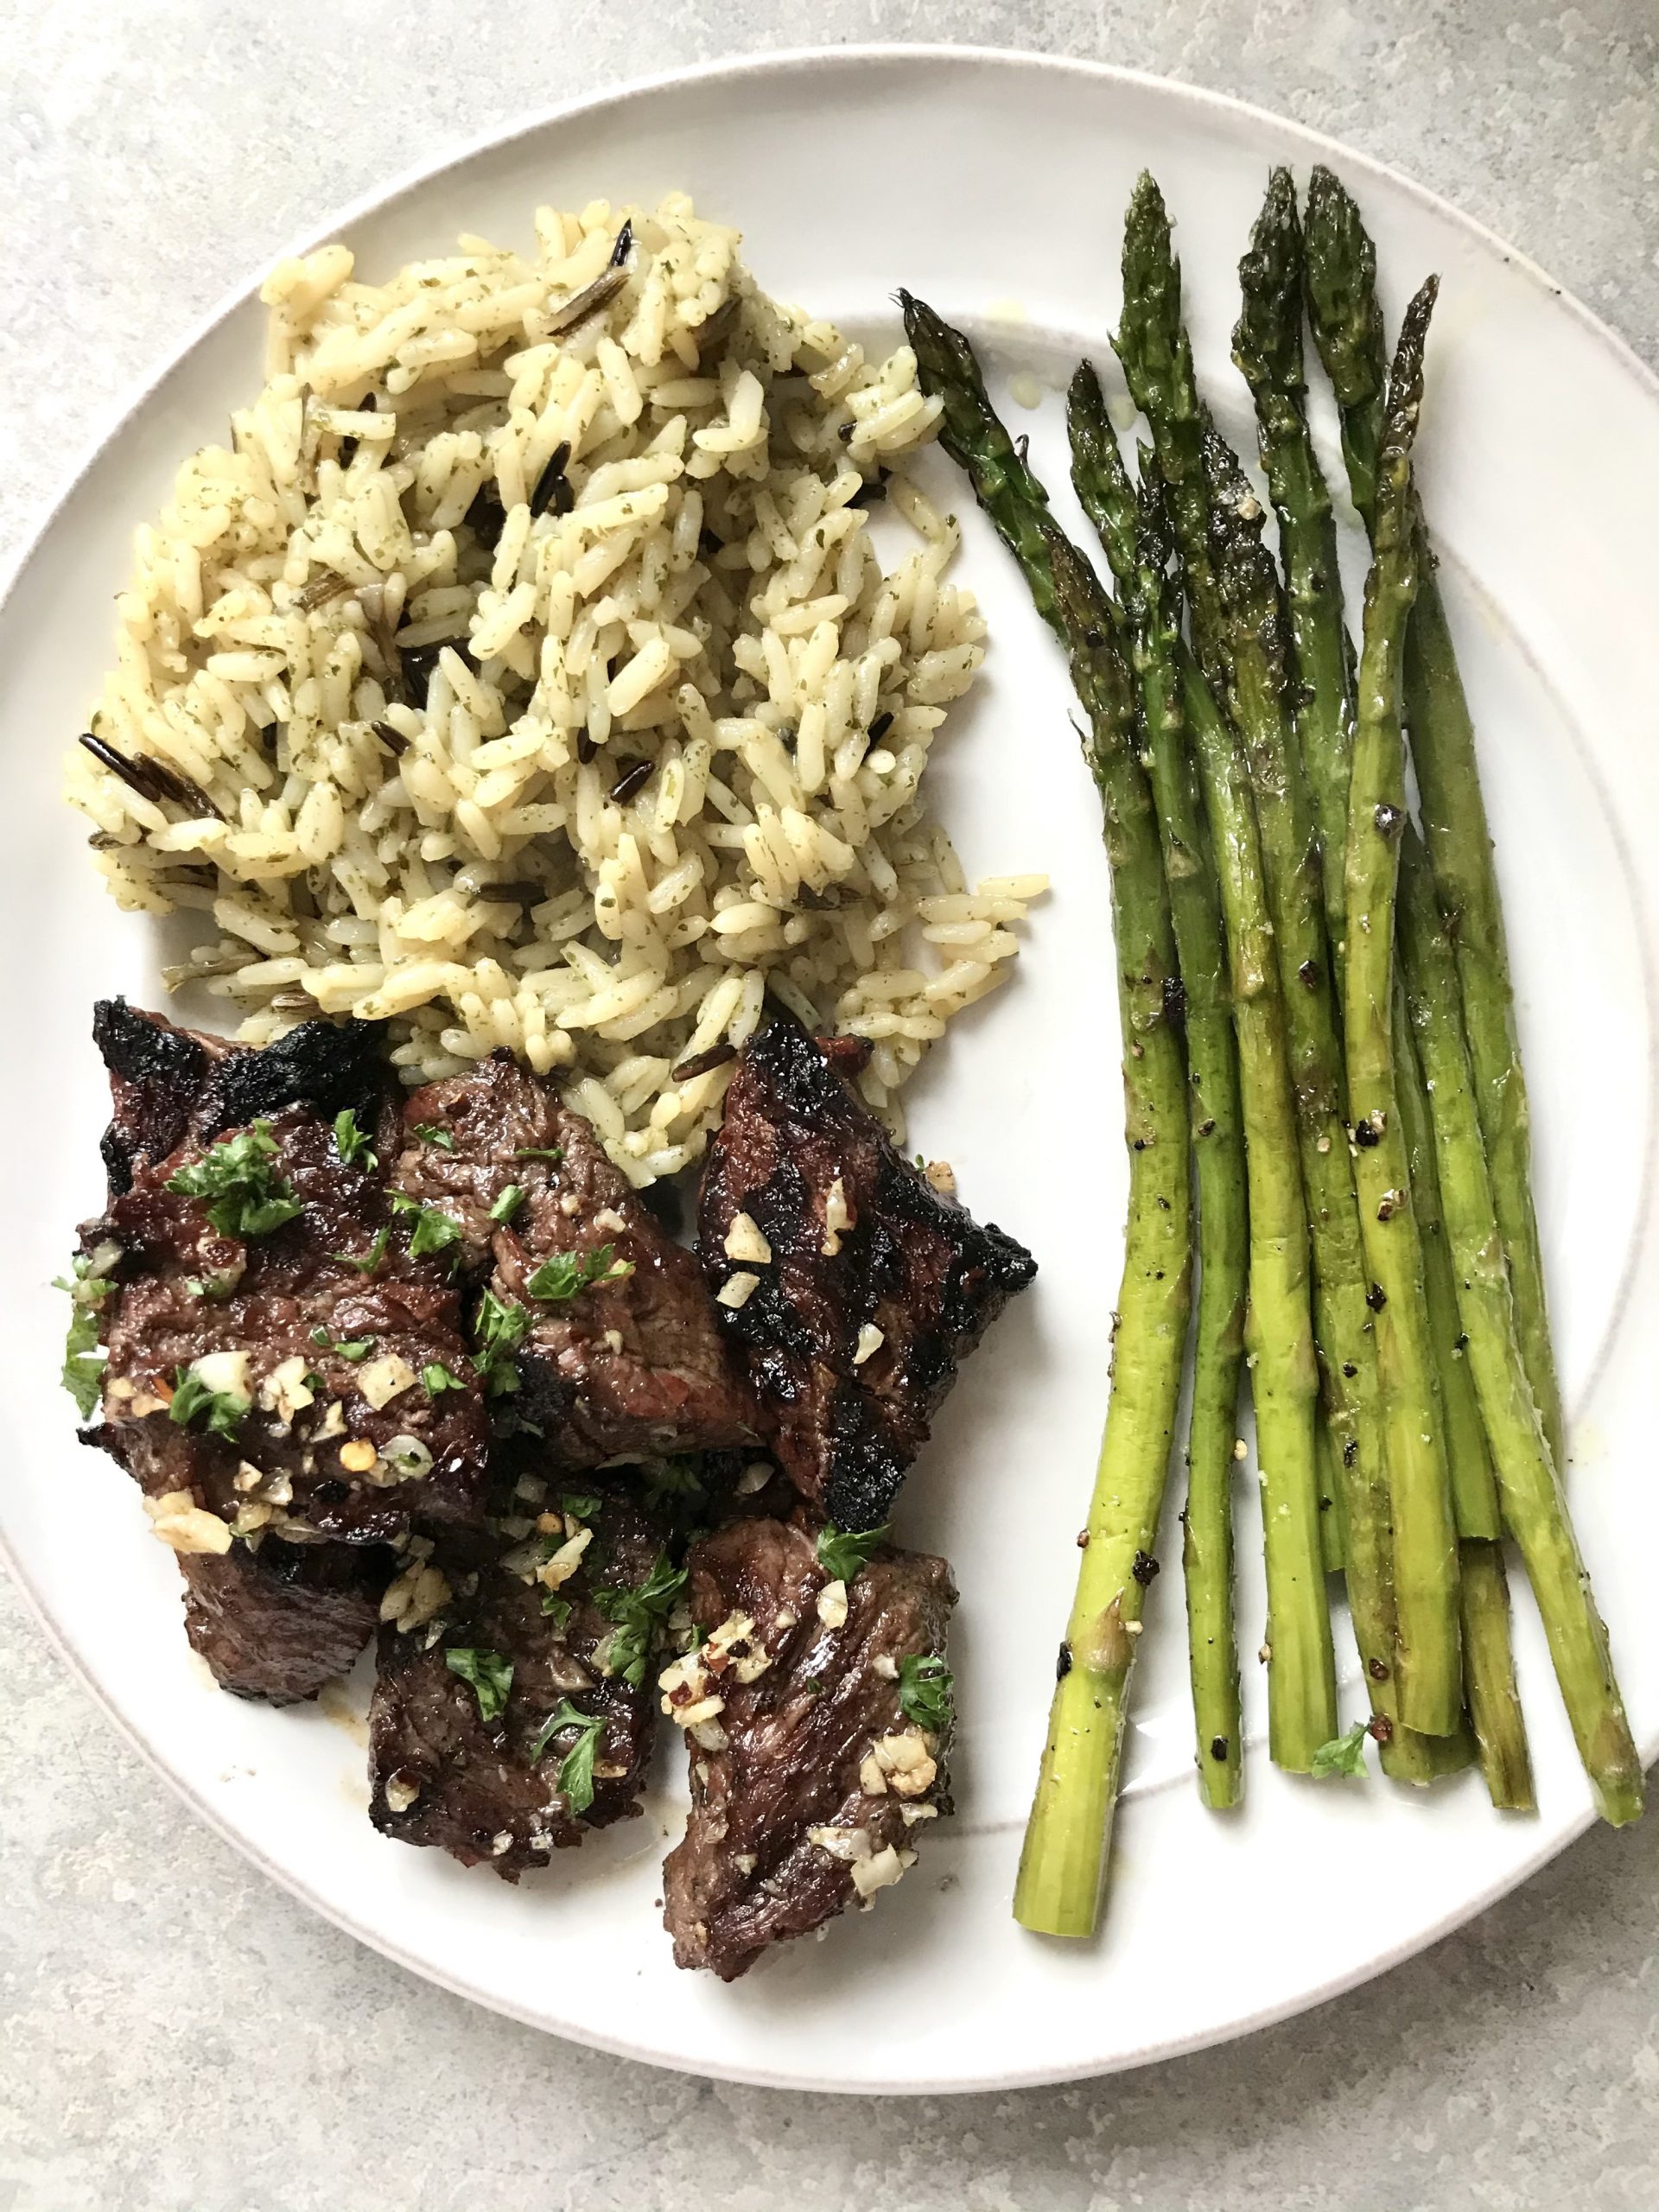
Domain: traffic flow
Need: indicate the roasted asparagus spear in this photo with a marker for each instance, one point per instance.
(1062, 1867)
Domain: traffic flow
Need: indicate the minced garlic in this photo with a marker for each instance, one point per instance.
(224, 1373)
(880, 1872)
(901, 1762)
(418, 1595)
(849, 1845)
(385, 1379)
(184, 1525)
(744, 1240)
(837, 1216)
(554, 1573)
(733, 1647)
(285, 1391)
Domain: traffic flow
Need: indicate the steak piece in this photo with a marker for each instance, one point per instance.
(273, 1619)
(810, 1781)
(279, 1622)
(631, 1365)
(446, 1772)
(865, 1289)
(359, 1406)
(165, 1081)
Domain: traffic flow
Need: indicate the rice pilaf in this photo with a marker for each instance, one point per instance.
(525, 674)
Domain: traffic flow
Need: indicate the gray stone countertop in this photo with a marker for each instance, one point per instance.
(179, 2035)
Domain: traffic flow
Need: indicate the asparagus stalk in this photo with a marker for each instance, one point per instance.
(1298, 1715)
(1529, 1477)
(1217, 1143)
(1063, 1865)
(1426, 1553)
(1341, 267)
(1489, 1689)
(1301, 1673)
(1267, 349)
(1494, 1698)
(1474, 1490)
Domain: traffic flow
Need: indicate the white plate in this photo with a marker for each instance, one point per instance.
(994, 185)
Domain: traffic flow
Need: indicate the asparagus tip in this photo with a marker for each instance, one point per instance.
(1084, 394)
(1267, 337)
(1146, 201)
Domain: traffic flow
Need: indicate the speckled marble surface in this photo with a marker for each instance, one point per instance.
(179, 2036)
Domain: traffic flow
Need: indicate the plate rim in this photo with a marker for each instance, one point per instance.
(800, 61)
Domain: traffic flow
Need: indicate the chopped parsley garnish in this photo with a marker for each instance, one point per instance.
(636, 1615)
(84, 1356)
(434, 1133)
(86, 1286)
(499, 1328)
(924, 1685)
(676, 1477)
(352, 1143)
(555, 1153)
(438, 1379)
(83, 1360)
(351, 1348)
(433, 1231)
(219, 1411)
(579, 1505)
(245, 1195)
(214, 1286)
(558, 1609)
(568, 1272)
(1343, 1755)
(368, 1262)
(575, 1777)
(843, 1553)
(508, 1203)
(489, 1675)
